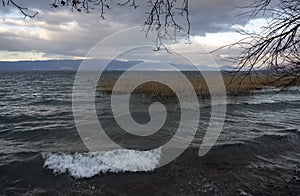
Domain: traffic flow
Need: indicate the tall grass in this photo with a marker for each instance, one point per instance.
(236, 86)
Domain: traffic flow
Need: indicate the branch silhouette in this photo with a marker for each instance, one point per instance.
(276, 48)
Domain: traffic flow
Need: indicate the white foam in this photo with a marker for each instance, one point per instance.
(86, 165)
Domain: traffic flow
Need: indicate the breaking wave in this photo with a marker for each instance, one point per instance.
(86, 165)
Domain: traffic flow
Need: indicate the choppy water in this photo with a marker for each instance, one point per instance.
(257, 153)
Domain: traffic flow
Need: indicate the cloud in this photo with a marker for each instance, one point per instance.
(66, 34)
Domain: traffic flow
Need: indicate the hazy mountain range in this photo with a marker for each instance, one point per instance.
(74, 65)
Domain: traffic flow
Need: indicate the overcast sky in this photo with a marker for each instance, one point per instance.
(63, 34)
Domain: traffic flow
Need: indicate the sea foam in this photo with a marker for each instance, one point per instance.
(86, 165)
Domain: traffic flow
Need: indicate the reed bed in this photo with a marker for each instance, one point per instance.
(235, 86)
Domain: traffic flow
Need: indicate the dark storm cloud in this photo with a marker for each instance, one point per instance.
(59, 31)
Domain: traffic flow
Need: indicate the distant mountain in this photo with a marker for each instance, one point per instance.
(41, 65)
(114, 65)
(62, 65)
(233, 68)
(228, 68)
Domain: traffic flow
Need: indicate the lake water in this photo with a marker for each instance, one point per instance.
(257, 153)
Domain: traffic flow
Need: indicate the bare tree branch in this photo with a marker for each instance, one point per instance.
(23, 10)
(276, 47)
(161, 18)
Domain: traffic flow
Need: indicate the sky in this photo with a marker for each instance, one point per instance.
(63, 34)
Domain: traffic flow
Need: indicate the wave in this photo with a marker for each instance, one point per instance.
(86, 165)
(265, 145)
(255, 103)
(89, 164)
(51, 102)
(271, 89)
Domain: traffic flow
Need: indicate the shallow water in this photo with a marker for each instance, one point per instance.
(258, 151)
